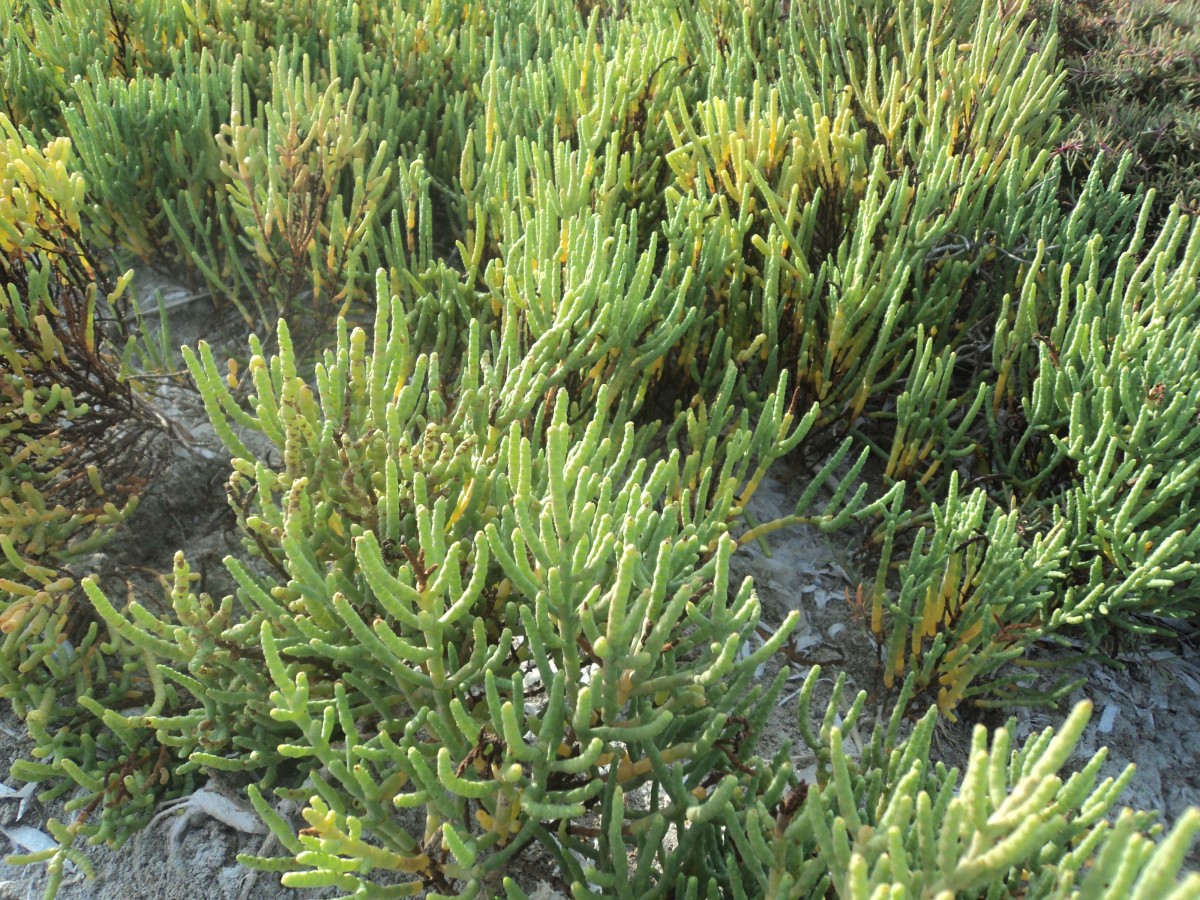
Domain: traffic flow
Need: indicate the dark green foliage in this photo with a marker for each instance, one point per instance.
(1134, 77)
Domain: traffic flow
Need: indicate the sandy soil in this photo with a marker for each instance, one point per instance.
(1147, 710)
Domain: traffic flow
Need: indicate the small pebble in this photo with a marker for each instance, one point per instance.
(1109, 716)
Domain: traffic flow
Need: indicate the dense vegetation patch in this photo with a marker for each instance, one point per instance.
(538, 293)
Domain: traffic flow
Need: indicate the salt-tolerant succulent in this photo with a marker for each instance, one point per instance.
(1096, 442)
(72, 425)
(577, 277)
(1130, 69)
(75, 447)
(891, 824)
(505, 647)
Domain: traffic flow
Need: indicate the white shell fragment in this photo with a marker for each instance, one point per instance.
(25, 794)
(29, 838)
(215, 805)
